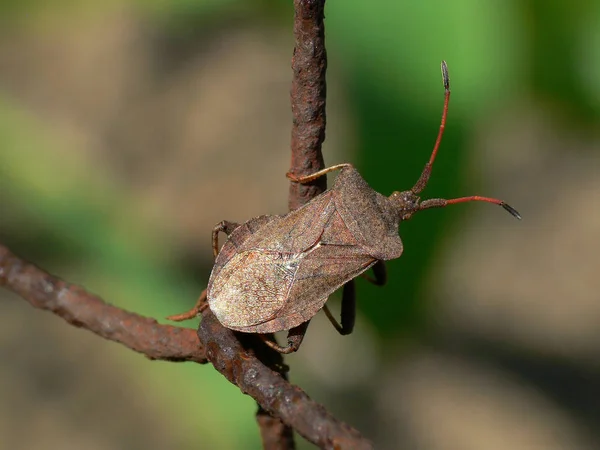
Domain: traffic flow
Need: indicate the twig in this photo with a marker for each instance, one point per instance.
(242, 358)
(252, 374)
(233, 354)
(238, 363)
(274, 433)
(84, 310)
(308, 94)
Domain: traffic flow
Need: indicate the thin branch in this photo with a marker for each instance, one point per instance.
(308, 98)
(274, 433)
(84, 310)
(234, 355)
(242, 358)
(307, 95)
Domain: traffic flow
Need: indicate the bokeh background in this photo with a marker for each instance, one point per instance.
(129, 128)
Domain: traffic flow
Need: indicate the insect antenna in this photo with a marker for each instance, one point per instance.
(478, 198)
(441, 202)
(424, 178)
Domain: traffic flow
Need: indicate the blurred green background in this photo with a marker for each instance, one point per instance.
(129, 128)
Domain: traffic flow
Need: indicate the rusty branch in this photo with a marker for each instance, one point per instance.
(308, 93)
(274, 433)
(84, 310)
(239, 357)
(242, 358)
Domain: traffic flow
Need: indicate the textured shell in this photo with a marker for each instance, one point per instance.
(276, 272)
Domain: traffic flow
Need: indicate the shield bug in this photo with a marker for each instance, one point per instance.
(275, 273)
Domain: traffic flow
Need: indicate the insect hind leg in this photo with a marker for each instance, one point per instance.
(294, 338)
(379, 277)
(348, 313)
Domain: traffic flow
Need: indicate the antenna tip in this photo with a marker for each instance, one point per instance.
(511, 210)
(445, 76)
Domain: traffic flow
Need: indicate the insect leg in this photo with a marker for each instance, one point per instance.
(294, 338)
(348, 314)
(314, 176)
(226, 227)
(379, 274)
(200, 306)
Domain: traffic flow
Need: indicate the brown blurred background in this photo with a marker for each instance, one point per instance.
(128, 129)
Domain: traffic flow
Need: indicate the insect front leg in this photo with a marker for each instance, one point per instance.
(294, 338)
(348, 314)
(226, 227)
(379, 277)
(314, 176)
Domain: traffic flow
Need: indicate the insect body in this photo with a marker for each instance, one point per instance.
(276, 272)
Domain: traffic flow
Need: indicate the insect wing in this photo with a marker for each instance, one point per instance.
(324, 271)
(298, 230)
(236, 243)
(251, 288)
(319, 274)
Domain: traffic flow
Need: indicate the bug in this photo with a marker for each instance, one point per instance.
(275, 273)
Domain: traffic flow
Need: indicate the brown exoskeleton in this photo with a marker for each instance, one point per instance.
(276, 272)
